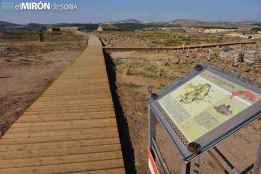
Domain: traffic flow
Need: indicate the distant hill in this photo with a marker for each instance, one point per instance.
(8, 24)
(129, 21)
(83, 27)
(258, 24)
(126, 25)
(187, 22)
(125, 21)
(35, 27)
(198, 23)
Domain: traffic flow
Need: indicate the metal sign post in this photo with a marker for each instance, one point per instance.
(257, 167)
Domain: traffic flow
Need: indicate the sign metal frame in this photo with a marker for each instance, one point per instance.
(216, 135)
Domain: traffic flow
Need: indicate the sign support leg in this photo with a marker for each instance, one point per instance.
(195, 168)
(186, 168)
(257, 167)
(222, 161)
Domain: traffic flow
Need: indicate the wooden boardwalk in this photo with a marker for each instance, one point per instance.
(71, 128)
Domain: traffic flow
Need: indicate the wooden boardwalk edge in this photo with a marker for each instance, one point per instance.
(71, 128)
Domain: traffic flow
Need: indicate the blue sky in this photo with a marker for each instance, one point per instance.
(146, 10)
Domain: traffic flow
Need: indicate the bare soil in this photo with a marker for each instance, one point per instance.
(161, 38)
(137, 70)
(27, 68)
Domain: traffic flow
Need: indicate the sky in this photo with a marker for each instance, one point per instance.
(93, 11)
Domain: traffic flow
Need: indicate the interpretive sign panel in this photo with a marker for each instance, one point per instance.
(206, 107)
(204, 103)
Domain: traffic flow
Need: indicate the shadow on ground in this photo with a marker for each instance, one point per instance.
(127, 149)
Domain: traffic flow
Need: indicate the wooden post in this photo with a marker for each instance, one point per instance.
(209, 54)
(235, 62)
(41, 35)
(199, 51)
(187, 53)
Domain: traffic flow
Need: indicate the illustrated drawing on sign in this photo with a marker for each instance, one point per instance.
(196, 93)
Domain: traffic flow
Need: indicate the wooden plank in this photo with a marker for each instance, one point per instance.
(72, 109)
(63, 112)
(58, 150)
(60, 117)
(27, 136)
(73, 97)
(80, 100)
(108, 171)
(86, 142)
(70, 128)
(57, 125)
(67, 124)
(61, 136)
(82, 107)
(53, 160)
(66, 168)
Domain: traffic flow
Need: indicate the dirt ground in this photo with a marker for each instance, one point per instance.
(160, 38)
(138, 70)
(27, 67)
